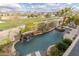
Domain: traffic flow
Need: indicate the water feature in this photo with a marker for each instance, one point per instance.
(40, 42)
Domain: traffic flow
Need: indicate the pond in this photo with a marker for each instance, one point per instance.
(39, 43)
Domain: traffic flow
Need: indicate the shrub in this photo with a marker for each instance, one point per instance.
(67, 41)
(24, 29)
(5, 42)
(62, 46)
(61, 29)
(54, 51)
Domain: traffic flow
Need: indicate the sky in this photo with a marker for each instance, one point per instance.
(39, 7)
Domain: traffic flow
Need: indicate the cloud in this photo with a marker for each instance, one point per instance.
(10, 5)
(53, 4)
(38, 6)
(16, 5)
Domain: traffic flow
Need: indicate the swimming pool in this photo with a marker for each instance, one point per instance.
(40, 42)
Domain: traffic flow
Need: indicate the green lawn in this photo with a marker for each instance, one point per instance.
(14, 23)
(30, 22)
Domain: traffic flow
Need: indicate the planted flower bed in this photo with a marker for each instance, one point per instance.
(59, 48)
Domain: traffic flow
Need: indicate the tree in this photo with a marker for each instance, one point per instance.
(76, 19)
(42, 27)
(51, 24)
(48, 15)
(64, 12)
(73, 18)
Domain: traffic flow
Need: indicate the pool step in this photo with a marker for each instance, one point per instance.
(37, 53)
(29, 55)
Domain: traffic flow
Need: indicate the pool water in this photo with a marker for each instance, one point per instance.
(40, 42)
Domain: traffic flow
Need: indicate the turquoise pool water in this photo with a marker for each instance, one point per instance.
(40, 42)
